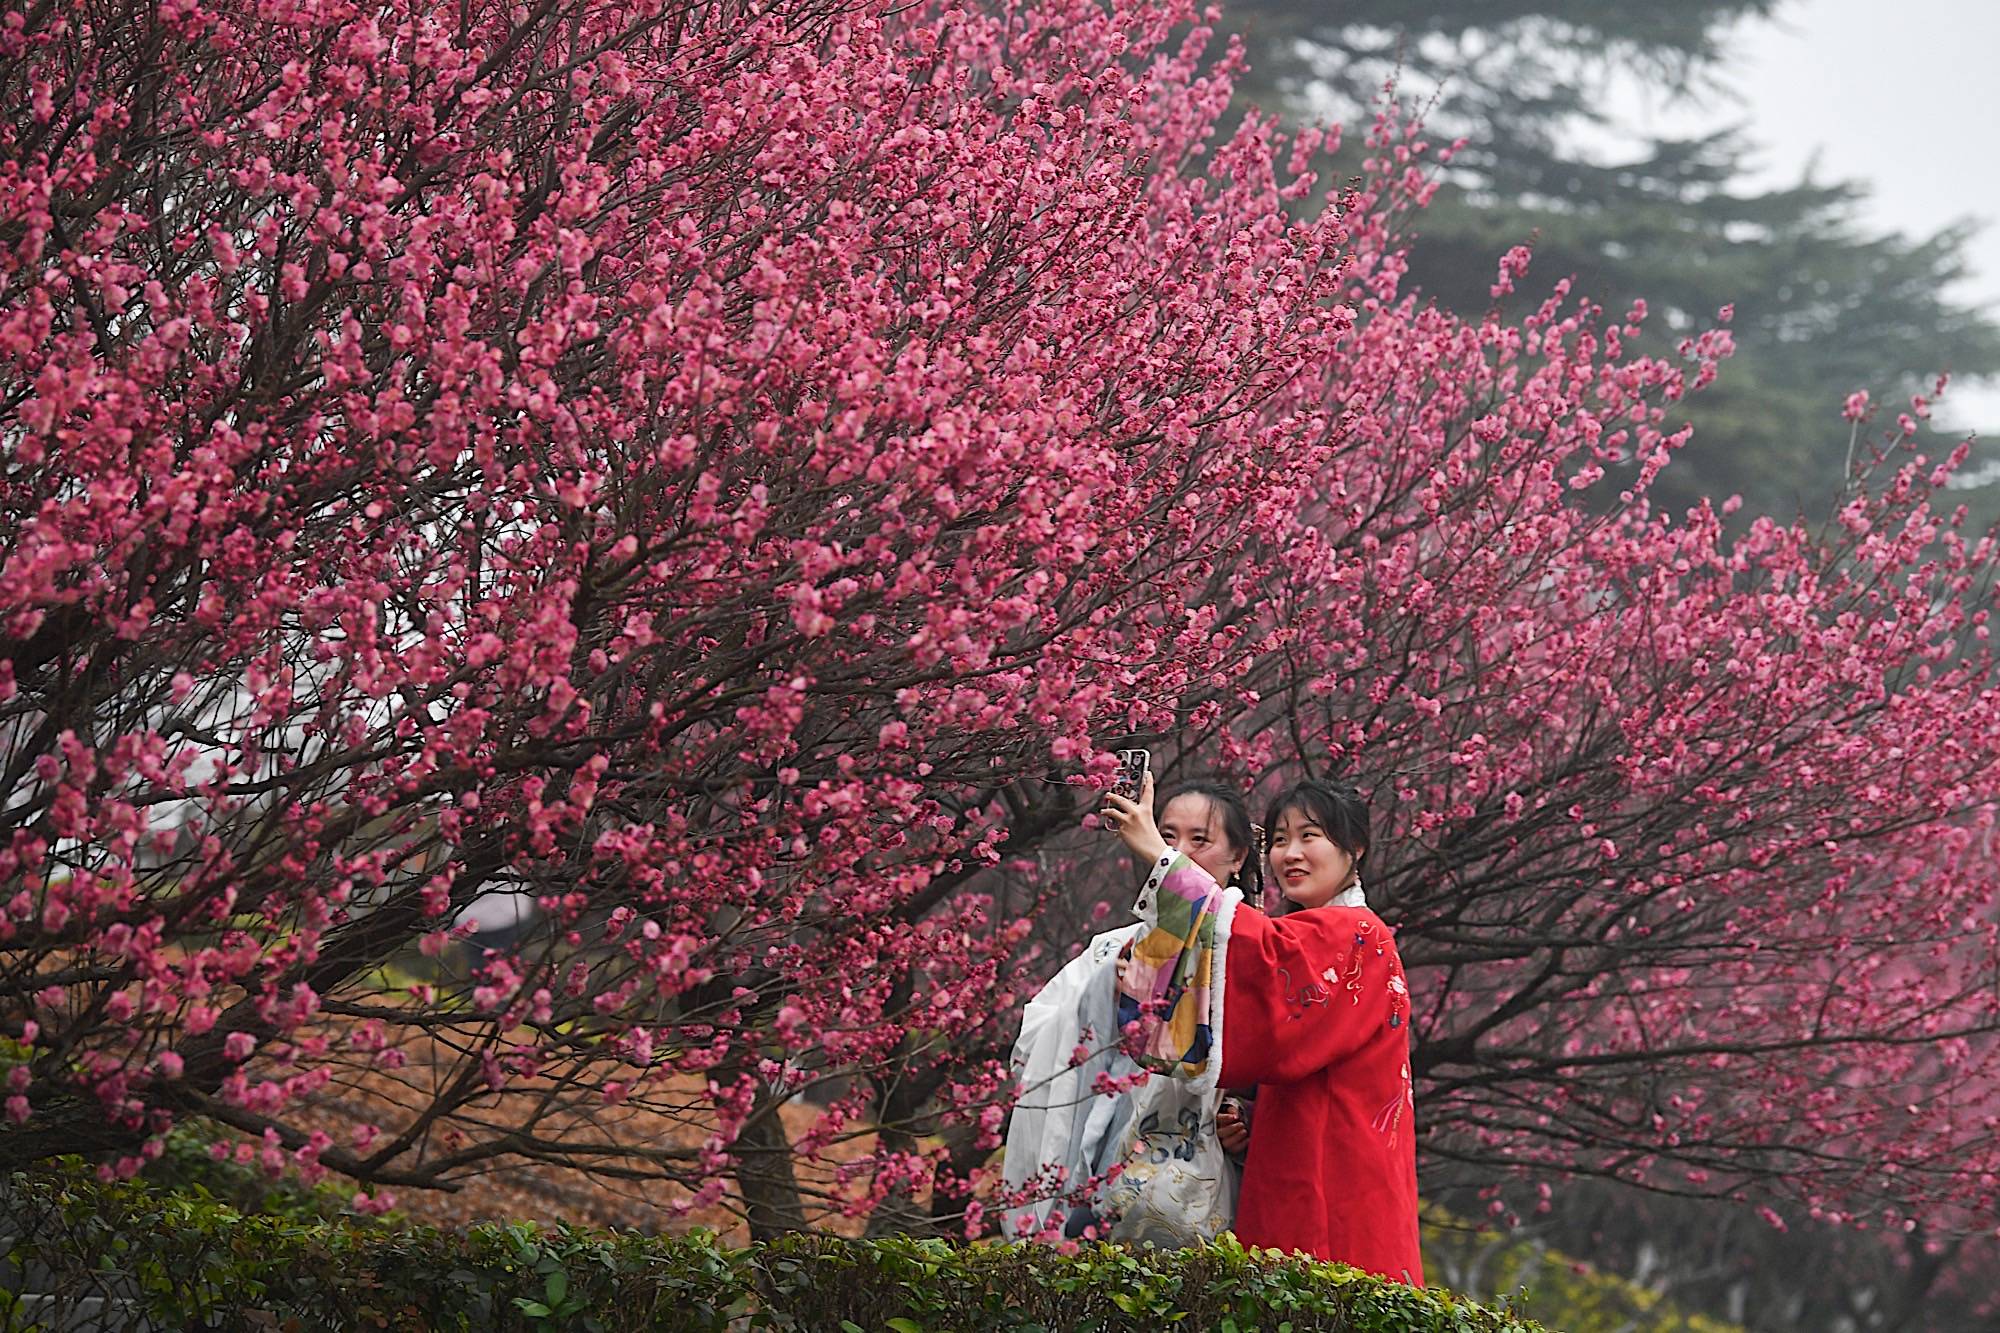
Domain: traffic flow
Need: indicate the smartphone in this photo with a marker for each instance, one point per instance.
(1133, 765)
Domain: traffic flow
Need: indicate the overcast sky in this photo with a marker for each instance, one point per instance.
(1896, 93)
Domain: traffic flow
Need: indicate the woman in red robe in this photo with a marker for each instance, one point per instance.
(1313, 1009)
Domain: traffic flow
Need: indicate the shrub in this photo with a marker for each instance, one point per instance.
(157, 1258)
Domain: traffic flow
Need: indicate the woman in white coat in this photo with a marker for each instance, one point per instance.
(1062, 1135)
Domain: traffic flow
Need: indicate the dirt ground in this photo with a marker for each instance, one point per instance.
(515, 1188)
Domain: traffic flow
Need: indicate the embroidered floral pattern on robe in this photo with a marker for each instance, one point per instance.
(1317, 1013)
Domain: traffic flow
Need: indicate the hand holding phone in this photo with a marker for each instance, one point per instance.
(1131, 817)
(1133, 765)
(1232, 1129)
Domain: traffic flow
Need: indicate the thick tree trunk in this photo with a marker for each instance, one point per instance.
(899, 1213)
(950, 1194)
(764, 1175)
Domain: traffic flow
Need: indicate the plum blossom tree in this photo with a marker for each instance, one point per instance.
(723, 473)
(677, 463)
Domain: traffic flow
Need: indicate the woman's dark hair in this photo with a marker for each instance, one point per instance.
(1339, 809)
(1235, 812)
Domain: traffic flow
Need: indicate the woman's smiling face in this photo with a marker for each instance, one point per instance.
(1192, 825)
(1309, 867)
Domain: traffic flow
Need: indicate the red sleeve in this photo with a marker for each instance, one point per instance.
(1305, 991)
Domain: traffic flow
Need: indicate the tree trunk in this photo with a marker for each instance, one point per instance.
(764, 1174)
(899, 1213)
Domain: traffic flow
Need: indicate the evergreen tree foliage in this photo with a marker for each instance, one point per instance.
(1822, 305)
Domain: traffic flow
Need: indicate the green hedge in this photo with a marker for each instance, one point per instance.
(135, 1256)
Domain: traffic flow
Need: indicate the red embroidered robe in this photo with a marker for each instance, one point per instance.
(1315, 1012)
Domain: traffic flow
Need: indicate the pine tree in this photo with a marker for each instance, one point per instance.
(1821, 306)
